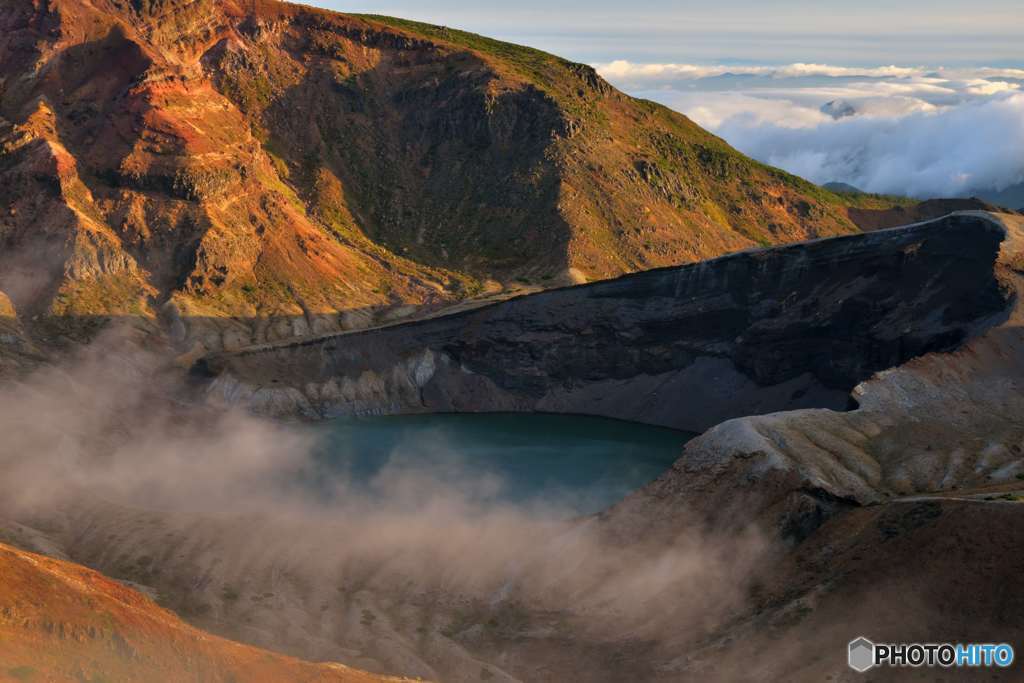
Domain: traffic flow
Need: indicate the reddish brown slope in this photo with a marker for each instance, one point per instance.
(61, 622)
(132, 182)
(262, 160)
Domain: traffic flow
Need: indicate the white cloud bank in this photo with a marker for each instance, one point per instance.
(919, 131)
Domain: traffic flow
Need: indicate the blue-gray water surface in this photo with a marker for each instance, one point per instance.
(578, 463)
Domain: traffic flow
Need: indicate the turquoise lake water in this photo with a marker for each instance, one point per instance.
(582, 464)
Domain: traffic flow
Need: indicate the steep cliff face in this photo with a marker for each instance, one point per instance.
(225, 163)
(132, 186)
(901, 517)
(687, 347)
(941, 425)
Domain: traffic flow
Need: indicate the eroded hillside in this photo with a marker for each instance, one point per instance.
(62, 622)
(248, 171)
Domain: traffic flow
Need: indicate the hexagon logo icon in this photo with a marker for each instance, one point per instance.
(862, 654)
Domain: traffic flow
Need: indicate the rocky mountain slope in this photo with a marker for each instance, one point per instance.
(768, 541)
(685, 347)
(903, 515)
(230, 173)
(61, 622)
(941, 423)
(244, 171)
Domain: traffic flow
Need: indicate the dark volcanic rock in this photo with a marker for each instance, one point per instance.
(945, 424)
(687, 347)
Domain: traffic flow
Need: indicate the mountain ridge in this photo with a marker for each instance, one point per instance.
(727, 337)
(241, 160)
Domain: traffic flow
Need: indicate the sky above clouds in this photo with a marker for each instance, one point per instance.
(920, 97)
(860, 32)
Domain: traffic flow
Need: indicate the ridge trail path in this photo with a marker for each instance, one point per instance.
(1015, 496)
(459, 307)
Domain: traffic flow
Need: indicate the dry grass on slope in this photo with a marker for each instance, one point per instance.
(62, 622)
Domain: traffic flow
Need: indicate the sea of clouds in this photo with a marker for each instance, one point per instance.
(918, 131)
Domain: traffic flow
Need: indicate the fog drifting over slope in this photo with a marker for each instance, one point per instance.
(919, 131)
(101, 452)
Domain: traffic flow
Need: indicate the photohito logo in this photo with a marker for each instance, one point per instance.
(864, 655)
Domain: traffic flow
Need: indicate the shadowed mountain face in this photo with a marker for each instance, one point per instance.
(904, 514)
(204, 160)
(791, 327)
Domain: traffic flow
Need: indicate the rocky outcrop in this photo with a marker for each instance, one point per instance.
(941, 427)
(900, 519)
(687, 347)
(17, 353)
